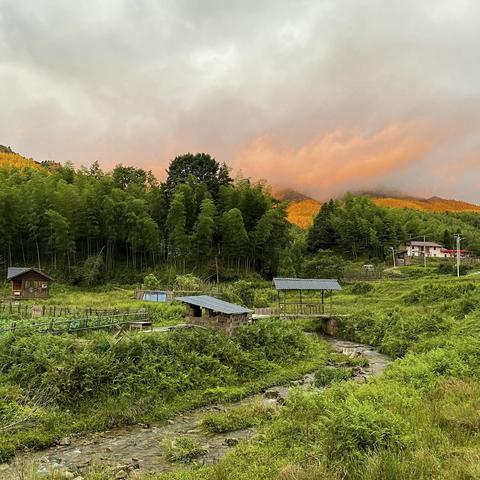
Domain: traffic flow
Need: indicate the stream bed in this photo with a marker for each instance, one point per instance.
(141, 448)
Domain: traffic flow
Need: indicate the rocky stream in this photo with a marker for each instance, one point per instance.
(140, 448)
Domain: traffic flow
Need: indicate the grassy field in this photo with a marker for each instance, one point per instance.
(420, 419)
(52, 386)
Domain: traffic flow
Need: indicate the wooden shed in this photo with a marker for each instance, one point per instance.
(28, 283)
(212, 312)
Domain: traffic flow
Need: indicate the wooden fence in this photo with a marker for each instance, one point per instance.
(28, 310)
(78, 324)
(294, 309)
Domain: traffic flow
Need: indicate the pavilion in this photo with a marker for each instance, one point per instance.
(295, 295)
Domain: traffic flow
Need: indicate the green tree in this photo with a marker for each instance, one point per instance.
(200, 166)
(178, 240)
(204, 231)
(234, 237)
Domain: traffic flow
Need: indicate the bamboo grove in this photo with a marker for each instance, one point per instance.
(61, 218)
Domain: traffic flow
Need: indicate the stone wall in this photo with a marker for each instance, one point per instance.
(224, 323)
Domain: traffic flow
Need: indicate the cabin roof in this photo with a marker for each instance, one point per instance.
(306, 284)
(14, 272)
(215, 304)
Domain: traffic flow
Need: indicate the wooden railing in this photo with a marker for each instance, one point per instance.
(77, 324)
(297, 308)
(28, 310)
(294, 308)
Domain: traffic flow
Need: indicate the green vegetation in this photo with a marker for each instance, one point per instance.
(51, 386)
(357, 228)
(325, 375)
(238, 418)
(183, 449)
(86, 226)
(418, 420)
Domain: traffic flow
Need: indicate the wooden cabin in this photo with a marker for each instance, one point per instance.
(212, 312)
(28, 283)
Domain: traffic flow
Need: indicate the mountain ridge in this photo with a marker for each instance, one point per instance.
(302, 209)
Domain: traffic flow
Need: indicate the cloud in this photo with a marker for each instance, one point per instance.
(358, 88)
(338, 161)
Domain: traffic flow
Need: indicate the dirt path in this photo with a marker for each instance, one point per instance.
(141, 448)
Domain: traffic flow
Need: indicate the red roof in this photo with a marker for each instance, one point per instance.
(446, 250)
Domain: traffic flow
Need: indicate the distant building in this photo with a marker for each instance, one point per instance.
(28, 283)
(427, 249)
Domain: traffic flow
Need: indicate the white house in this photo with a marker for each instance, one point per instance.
(429, 249)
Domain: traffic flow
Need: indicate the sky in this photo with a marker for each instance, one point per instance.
(322, 96)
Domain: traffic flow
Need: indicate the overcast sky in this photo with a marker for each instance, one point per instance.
(321, 96)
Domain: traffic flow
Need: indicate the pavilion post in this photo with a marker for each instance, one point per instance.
(323, 301)
(301, 302)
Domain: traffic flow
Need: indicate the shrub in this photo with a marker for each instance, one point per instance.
(245, 291)
(239, 418)
(187, 283)
(437, 292)
(273, 339)
(183, 449)
(445, 268)
(324, 376)
(362, 288)
(264, 297)
(325, 264)
(151, 282)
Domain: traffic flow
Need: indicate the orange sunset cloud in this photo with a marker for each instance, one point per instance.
(338, 160)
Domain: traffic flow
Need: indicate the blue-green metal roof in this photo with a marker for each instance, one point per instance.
(215, 304)
(306, 284)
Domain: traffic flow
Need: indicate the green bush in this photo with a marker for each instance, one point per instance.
(438, 292)
(183, 449)
(324, 376)
(245, 291)
(239, 418)
(264, 297)
(187, 283)
(445, 268)
(325, 264)
(362, 288)
(151, 282)
(273, 340)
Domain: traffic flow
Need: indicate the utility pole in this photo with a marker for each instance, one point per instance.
(458, 238)
(424, 251)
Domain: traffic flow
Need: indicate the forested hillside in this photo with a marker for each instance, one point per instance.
(10, 159)
(87, 226)
(302, 210)
(82, 223)
(355, 226)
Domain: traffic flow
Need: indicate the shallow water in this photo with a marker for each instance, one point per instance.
(139, 448)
